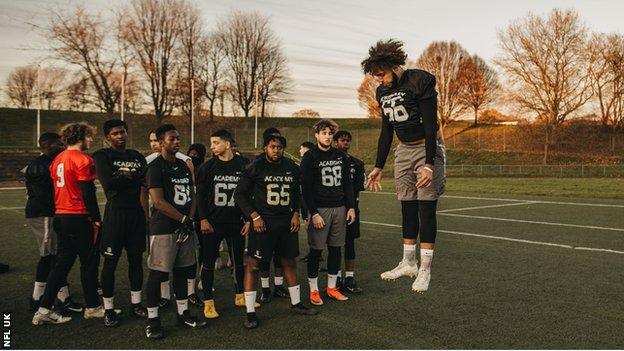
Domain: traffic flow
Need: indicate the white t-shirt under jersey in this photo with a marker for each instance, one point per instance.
(151, 157)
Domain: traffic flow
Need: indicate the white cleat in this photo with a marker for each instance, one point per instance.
(404, 269)
(49, 318)
(95, 312)
(421, 284)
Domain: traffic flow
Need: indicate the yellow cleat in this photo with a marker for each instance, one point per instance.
(239, 301)
(210, 311)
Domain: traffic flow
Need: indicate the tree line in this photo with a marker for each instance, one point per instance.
(166, 57)
(550, 66)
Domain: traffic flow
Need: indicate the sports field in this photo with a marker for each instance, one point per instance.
(510, 271)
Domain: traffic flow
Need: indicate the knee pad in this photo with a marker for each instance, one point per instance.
(411, 224)
(428, 221)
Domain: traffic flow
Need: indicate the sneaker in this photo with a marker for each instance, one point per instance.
(339, 282)
(281, 291)
(210, 311)
(33, 304)
(252, 321)
(315, 298)
(110, 319)
(95, 312)
(139, 310)
(194, 299)
(421, 284)
(403, 269)
(239, 301)
(335, 294)
(68, 306)
(188, 321)
(49, 318)
(303, 309)
(265, 296)
(351, 286)
(164, 303)
(154, 329)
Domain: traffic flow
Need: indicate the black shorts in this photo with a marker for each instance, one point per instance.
(353, 230)
(123, 228)
(276, 240)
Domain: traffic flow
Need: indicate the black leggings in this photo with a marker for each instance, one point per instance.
(75, 239)
(236, 248)
(180, 287)
(420, 217)
(135, 273)
(333, 261)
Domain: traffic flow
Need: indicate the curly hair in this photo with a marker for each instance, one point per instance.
(73, 133)
(384, 55)
(325, 123)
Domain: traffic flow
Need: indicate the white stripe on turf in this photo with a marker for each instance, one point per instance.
(534, 222)
(489, 206)
(494, 237)
(517, 200)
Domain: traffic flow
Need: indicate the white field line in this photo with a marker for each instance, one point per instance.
(489, 206)
(14, 188)
(494, 237)
(534, 222)
(515, 200)
(2, 208)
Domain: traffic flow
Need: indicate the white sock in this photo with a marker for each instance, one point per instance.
(63, 293)
(265, 283)
(165, 292)
(108, 303)
(43, 310)
(313, 284)
(135, 297)
(182, 305)
(190, 285)
(38, 290)
(409, 253)
(340, 273)
(250, 300)
(349, 274)
(295, 294)
(152, 312)
(331, 280)
(426, 255)
(278, 280)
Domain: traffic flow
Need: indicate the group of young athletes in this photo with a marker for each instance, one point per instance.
(182, 207)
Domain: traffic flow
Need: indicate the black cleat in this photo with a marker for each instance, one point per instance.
(265, 297)
(252, 321)
(303, 309)
(280, 291)
(68, 306)
(339, 282)
(195, 300)
(154, 329)
(351, 286)
(33, 304)
(139, 310)
(110, 319)
(164, 303)
(188, 321)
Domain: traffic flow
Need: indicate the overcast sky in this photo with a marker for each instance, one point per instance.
(324, 40)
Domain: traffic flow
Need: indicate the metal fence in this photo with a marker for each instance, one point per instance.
(572, 171)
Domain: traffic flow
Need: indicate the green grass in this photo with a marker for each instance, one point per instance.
(485, 292)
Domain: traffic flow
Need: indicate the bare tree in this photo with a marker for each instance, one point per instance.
(306, 113)
(52, 84)
(212, 73)
(247, 39)
(367, 96)
(80, 38)
(274, 82)
(443, 60)
(545, 67)
(152, 29)
(606, 58)
(478, 84)
(21, 86)
(77, 94)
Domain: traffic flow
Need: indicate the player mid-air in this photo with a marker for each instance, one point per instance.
(408, 100)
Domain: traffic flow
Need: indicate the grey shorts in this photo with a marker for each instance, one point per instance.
(334, 231)
(165, 253)
(45, 235)
(408, 159)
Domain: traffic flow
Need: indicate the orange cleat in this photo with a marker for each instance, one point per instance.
(315, 298)
(335, 294)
